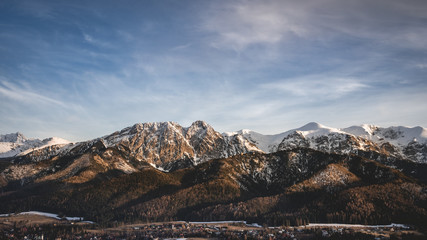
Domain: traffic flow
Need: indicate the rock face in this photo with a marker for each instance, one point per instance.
(168, 145)
(165, 145)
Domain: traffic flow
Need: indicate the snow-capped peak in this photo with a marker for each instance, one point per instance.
(402, 138)
(403, 135)
(200, 124)
(366, 130)
(269, 143)
(168, 144)
(55, 141)
(240, 132)
(245, 131)
(312, 126)
(14, 144)
(13, 138)
(400, 135)
(315, 129)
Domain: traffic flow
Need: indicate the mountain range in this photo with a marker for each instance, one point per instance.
(163, 171)
(16, 144)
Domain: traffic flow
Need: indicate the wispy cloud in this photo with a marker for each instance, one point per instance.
(245, 23)
(29, 96)
(180, 47)
(316, 86)
(238, 25)
(421, 65)
(100, 43)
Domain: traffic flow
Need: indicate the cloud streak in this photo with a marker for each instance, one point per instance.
(246, 23)
(238, 25)
(28, 96)
(326, 87)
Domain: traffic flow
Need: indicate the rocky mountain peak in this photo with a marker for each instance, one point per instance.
(168, 145)
(13, 138)
(200, 124)
(311, 126)
(199, 130)
(16, 144)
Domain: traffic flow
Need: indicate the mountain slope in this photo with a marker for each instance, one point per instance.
(169, 146)
(286, 186)
(166, 146)
(398, 142)
(163, 171)
(16, 144)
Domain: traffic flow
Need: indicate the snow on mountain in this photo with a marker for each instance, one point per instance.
(315, 129)
(270, 143)
(167, 145)
(164, 145)
(160, 143)
(399, 136)
(16, 144)
(410, 143)
(13, 138)
(52, 141)
(267, 143)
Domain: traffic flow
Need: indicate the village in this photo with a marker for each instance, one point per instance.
(65, 229)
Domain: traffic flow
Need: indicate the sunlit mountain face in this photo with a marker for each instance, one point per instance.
(163, 171)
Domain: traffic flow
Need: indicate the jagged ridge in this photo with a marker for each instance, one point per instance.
(398, 142)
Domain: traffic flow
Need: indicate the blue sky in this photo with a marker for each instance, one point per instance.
(84, 69)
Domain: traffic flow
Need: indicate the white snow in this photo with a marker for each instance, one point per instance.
(46, 143)
(16, 144)
(342, 225)
(123, 166)
(314, 129)
(50, 215)
(218, 222)
(158, 168)
(254, 225)
(398, 136)
(365, 131)
(90, 222)
(226, 222)
(269, 143)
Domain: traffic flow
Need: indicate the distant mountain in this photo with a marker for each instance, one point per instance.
(165, 146)
(163, 171)
(399, 142)
(16, 144)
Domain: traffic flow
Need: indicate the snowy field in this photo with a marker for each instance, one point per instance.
(329, 225)
(51, 215)
(340, 225)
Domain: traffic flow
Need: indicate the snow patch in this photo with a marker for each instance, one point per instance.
(50, 215)
(16, 144)
(342, 225)
(158, 167)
